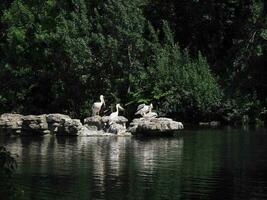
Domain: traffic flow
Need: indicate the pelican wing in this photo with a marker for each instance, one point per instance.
(140, 107)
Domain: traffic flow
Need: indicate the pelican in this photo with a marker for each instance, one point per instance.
(150, 114)
(97, 106)
(143, 109)
(114, 115)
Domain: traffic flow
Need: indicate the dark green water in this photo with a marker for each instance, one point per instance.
(197, 164)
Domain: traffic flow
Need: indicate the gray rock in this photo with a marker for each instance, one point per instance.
(212, 123)
(89, 131)
(70, 127)
(117, 128)
(56, 118)
(95, 121)
(10, 121)
(104, 125)
(90, 128)
(55, 121)
(34, 125)
(61, 124)
(154, 126)
(119, 120)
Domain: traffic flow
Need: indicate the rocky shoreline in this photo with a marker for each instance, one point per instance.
(63, 125)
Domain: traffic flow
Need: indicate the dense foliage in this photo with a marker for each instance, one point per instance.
(194, 60)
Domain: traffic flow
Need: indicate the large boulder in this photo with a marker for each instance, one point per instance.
(56, 120)
(70, 127)
(103, 125)
(116, 128)
(34, 125)
(11, 121)
(154, 126)
(95, 122)
(60, 125)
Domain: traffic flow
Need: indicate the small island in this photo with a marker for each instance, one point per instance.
(113, 125)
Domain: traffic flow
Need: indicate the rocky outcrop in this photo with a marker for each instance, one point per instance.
(57, 124)
(11, 122)
(70, 127)
(95, 123)
(56, 118)
(117, 125)
(103, 125)
(118, 129)
(60, 125)
(154, 126)
(63, 125)
(34, 125)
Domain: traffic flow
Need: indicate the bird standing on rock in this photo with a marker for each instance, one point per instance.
(98, 105)
(150, 114)
(113, 116)
(143, 109)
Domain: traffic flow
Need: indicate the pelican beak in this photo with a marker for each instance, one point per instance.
(121, 108)
(104, 103)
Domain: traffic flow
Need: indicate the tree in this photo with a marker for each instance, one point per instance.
(179, 84)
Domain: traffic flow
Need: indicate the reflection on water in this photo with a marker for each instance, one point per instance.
(203, 164)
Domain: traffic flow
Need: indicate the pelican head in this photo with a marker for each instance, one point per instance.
(118, 106)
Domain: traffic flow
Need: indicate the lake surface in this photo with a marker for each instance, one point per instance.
(196, 164)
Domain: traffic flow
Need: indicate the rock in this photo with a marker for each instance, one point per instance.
(89, 131)
(86, 131)
(101, 125)
(117, 128)
(90, 128)
(119, 120)
(154, 126)
(69, 127)
(60, 125)
(56, 118)
(204, 123)
(34, 125)
(95, 121)
(10, 121)
(212, 123)
(215, 123)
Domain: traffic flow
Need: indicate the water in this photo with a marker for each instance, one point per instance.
(196, 164)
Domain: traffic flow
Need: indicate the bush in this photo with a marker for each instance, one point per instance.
(180, 85)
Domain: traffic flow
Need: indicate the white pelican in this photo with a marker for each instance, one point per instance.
(114, 115)
(143, 109)
(97, 106)
(150, 114)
